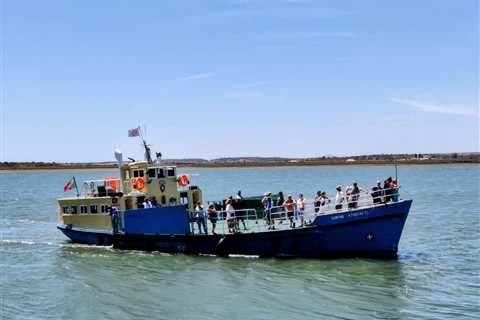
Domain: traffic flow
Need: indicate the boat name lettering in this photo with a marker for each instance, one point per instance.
(358, 214)
(338, 217)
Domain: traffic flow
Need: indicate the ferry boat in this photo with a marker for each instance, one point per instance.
(151, 207)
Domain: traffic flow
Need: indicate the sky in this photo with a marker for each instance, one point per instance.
(208, 79)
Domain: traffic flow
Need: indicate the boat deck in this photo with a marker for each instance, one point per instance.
(249, 221)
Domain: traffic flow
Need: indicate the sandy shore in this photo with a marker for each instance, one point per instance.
(58, 166)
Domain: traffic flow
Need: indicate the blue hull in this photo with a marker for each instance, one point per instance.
(372, 232)
(87, 236)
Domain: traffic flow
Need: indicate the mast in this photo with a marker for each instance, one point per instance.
(148, 154)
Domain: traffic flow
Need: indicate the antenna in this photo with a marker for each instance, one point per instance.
(396, 169)
(148, 155)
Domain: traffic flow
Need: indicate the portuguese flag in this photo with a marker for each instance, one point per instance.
(70, 184)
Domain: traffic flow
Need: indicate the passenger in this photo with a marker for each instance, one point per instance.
(239, 195)
(339, 198)
(200, 218)
(324, 199)
(301, 208)
(280, 199)
(290, 205)
(354, 195)
(114, 216)
(172, 202)
(348, 191)
(212, 216)
(279, 211)
(317, 201)
(395, 186)
(230, 210)
(154, 202)
(377, 193)
(387, 189)
(267, 207)
(240, 213)
(147, 204)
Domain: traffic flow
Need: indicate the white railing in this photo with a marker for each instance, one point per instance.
(276, 218)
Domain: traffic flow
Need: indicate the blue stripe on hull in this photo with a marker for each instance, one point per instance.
(86, 236)
(358, 233)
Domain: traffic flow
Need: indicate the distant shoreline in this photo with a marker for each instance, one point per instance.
(339, 163)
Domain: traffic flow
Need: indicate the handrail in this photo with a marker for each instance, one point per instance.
(275, 218)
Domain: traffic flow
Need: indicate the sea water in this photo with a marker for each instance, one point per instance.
(436, 275)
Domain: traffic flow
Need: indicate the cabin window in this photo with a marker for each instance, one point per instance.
(65, 210)
(138, 173)
(83, 209)
(161, 173)
(93, 209)
(151, 173)
(103, 208)
(171, 172)
(73, 209)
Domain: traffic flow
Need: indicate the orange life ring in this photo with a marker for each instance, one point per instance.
(183, 180)
(138, 183)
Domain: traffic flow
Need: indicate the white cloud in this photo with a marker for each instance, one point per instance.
(198, 76)
(436, 108)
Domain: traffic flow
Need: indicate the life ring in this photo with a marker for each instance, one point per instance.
(138, 183)
(162, 187)
(183, 180)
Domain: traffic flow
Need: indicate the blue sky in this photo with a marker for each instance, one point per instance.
(238, 78)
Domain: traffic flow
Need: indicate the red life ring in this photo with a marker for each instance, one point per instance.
(183, 180)
(138, 183)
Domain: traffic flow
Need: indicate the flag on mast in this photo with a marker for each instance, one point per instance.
(70, 184)
(135, 132)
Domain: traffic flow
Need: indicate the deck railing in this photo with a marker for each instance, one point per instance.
(276, 218)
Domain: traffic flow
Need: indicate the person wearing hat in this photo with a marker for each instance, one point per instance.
(339, 198)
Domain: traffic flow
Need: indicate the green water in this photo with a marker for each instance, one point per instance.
(436, 276)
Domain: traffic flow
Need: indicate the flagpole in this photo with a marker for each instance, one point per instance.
(76, 187)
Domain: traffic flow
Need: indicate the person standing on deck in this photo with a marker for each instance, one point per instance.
(387, 189)
(395, 186)
(290, 206)
(147, 204)
(230, 210)
(240, 212)
(279, 206)
(317, 201)
(377, 193)
(301, 208)
(212, 215)
(200, 218)
(114, 217)
(267, 206)
(355, 195)
(339, 198)
(239, 195)
(324, 199)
